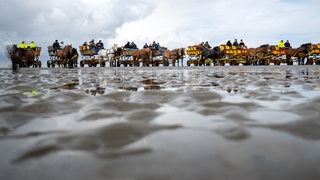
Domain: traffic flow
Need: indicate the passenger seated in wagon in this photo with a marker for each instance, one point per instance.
(281, 45)
(287, 44)
(229, 43)
(241, 44)
(22, 45)
(235, 43)
(133, 45)
(127, 46)
(55, 46)
(62, 46)
(99, 45)
(146, 45)
(32, 45)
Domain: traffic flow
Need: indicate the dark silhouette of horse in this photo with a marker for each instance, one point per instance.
(213, 54)
(291, 52)
(303, 52)
(20, 57)
(67, 56)
(72, 58)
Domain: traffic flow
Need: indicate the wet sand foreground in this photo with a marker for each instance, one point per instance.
(160, 123)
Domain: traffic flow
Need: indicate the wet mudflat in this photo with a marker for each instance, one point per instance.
(160, 123)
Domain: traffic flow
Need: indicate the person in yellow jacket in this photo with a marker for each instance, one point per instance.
(32, 45)
(23, 45)
(281, 44)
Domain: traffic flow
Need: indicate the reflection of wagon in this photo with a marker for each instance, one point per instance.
(232, 55)
(90, 57)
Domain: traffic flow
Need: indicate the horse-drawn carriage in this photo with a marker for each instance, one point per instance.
(93, 56)
(89, 57)
(194, 54)
(135, 57)
(24, 57)
(200, 55)
(232, 55)
(158, 56)
(65, 57)
(127, 58)
(273, 54)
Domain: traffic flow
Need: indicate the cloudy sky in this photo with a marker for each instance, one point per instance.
(172, 23)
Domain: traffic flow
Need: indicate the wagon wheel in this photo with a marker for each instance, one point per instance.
(53, 63)
(234, 63)
(309, 62)
(102, 64)
(89, 64)
(289, 62)
(125, 64)
(188, 63)
(276, 62)
(207, 62)
(81, 64)
(154, 63)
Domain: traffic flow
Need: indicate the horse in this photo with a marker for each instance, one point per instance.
(213, 54)
(258, 54)
(144, 54)
(20, 57)
(291, 52)
(108, 54)
(72, 58)
(174, 55)
(250, 56)
(303, 52)
(63, 54)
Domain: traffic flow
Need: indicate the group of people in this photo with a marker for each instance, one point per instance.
(23, 45)
(154, 45)
(236, 44)
(284, 45)
(99, 45)
(131, 45)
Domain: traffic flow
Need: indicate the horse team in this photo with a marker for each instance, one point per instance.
(197, 55)
(120, 56)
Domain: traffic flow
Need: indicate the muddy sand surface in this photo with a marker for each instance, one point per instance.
(160, 123)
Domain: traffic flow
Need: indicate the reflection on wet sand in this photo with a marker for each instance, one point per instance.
(161, 123)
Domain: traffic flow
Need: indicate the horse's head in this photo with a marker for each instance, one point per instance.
(68, 48)
(307, 46)
(182, 51)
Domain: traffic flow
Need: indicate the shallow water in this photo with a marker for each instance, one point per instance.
(160, 123)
